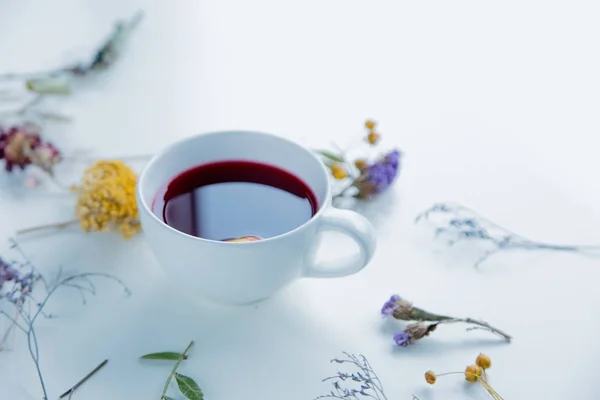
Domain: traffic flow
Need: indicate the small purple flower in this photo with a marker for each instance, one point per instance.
(390, 306)
(379, 176)
(402, 339)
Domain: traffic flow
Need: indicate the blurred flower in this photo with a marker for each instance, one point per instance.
(338, 172)
(402, 339)
(379, 176)
(483, 361)
(15, 283)
(58, 85)
(368, 176)
(106, 199)
(391, 305)
(430, 377)
(373, 137)
(21, 146)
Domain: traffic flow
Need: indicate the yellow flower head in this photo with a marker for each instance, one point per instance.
(370, 124)
(338, 172)
(430, 377)
(483, 361)
(472, 373)
(373, 138)
(106, 199)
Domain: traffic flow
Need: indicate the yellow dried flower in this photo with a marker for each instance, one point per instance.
(373, 137)
(360, 164)
(473, 372)
(483, 361)
(430, 377)
(370, 124)
(338, 172)
(106, 199)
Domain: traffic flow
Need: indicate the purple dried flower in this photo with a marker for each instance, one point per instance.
(390, 306)
(379, 176)
(402, 339)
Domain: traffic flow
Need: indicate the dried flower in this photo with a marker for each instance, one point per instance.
(402, 309)
(473, 372)
(30, 300)
(379, 176)
(483, 361)
(363, 383)
(430, 377)
(21, 146)
(368, 176)
(338, 172)
(360, 164)
(106, 199)
(456, 223)
(373, 137)
(402, 339)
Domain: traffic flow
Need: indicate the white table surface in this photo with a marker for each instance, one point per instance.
(495, 105)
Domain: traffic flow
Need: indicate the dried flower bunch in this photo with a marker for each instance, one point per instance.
(456, 223)
(27, 291)
(475, 373)
(360, 178)
(363, 383)
(187, 386)
(402, 309)
(21, 146)
(105, 201)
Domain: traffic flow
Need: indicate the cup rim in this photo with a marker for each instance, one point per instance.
(147, 209)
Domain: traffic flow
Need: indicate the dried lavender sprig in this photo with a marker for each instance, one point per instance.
(106, 54)
(29, 309)
(369, 384)
(402, 309)
(465, 224)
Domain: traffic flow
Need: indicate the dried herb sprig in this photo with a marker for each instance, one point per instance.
(187, 386)
(363, 383)
(456, 223)
(402, 309)
(475, 373)
(362, 178)
(57, 81)
(20, 283)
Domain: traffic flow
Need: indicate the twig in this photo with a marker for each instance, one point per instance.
(174, 370)
(82, 381)
(480, 325)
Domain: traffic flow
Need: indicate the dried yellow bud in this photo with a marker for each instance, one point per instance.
(370, 124)
(338, 172)
(483, 361)
(373, 138)
(430, 377)
(360, 164)
(473, 372)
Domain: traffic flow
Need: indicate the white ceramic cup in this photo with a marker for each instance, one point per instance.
(247, 272)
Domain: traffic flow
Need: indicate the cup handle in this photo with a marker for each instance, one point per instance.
(351, 224)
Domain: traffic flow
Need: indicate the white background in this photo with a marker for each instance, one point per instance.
(494, 104)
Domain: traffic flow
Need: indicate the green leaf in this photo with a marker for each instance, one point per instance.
(189, 388)
(167, 355)
(330, 155)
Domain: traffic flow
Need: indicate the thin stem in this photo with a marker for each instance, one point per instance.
(481, 325)
(82, 381)
(181, 357)
(490, 390)
(14, 321)
(449, 373)
(32, 338)
(59, 225)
